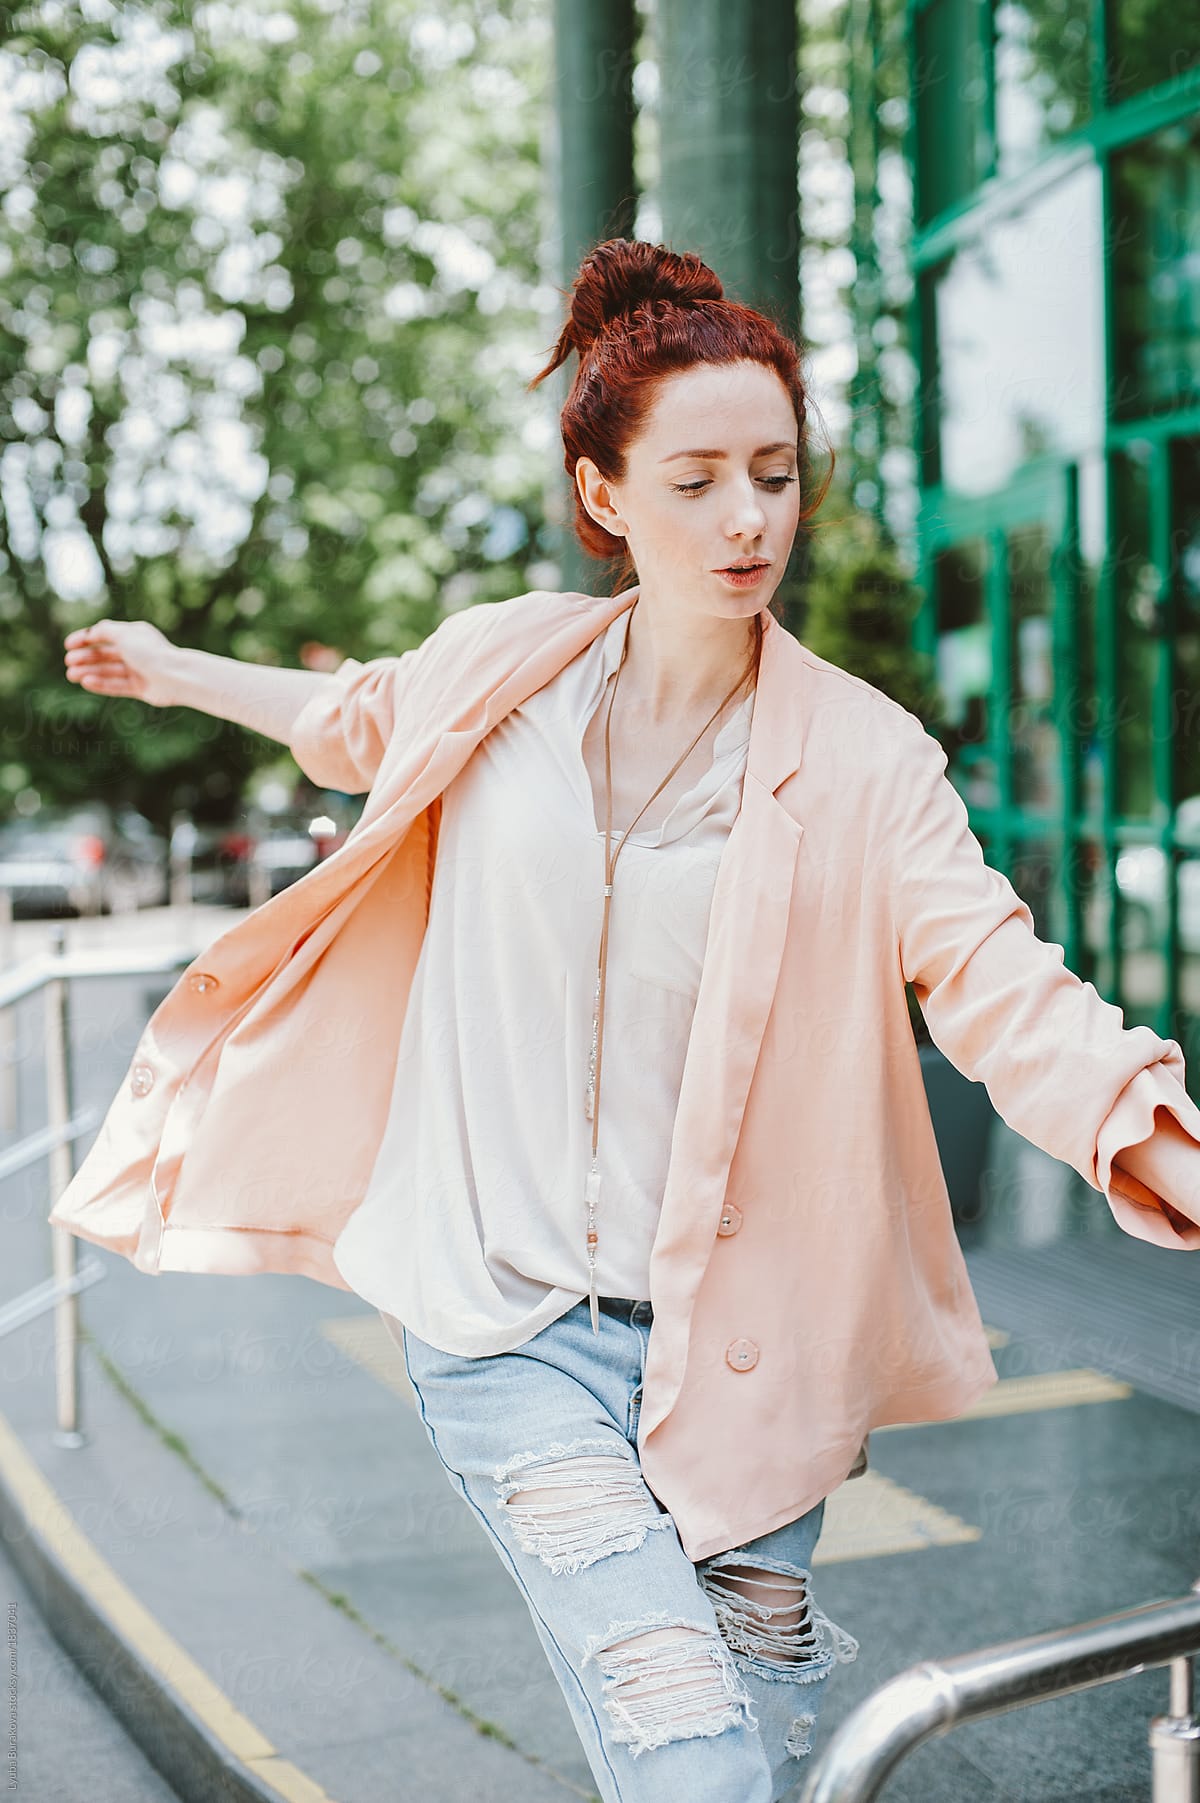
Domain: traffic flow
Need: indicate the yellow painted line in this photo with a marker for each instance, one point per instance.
(109, 1596)
(865, 1519)
(1024, 1395)
(871, 1517)
(366, 1340)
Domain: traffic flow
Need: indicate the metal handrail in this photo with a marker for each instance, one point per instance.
(32, 1303)
(37, 1145)
(34, 973)
(929, 1699)
(51, 976)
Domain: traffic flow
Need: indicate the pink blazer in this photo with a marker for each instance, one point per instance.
(806, 1279)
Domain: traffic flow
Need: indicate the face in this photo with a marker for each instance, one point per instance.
(712, 480)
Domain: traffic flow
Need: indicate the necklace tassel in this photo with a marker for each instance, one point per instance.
(591, 1192)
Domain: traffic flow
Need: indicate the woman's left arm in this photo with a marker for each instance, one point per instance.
(1056, 1059)
(1157, 1159)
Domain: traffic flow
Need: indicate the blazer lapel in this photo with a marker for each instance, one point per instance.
(747, 933)
(528, 655)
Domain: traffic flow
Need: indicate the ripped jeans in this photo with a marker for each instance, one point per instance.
(689, 1680)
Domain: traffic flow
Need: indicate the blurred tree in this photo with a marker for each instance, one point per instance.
(862, 602)
(270, 297)
(855, 275)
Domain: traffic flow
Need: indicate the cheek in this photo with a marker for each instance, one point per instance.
(672, 525)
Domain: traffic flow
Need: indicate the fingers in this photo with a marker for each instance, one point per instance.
(98, 675)
(92, 662)
(89, 654)
(78, 666)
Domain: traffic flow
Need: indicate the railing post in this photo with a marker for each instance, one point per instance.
(1175, 1739)
(182, 847)
(259, 884)
(58, 1112)
(8, 1023)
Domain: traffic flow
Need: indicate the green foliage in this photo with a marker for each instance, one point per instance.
(270, 298)
(861, 606)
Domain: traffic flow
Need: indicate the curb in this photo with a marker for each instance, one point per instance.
(205, 1748)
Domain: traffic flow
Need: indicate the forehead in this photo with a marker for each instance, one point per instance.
(734, 407)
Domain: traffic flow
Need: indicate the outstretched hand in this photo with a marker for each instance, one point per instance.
(121, 657)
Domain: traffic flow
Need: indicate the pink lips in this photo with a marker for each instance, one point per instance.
(745, 577)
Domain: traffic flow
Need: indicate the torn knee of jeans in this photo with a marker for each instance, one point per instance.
(799, 1736)
(573, 1504)
(665, 1683)
(768, 1615)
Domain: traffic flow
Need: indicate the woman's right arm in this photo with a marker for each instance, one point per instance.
(132, 657)
(336, 724)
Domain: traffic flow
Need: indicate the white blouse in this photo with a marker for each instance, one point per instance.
(472, 1228)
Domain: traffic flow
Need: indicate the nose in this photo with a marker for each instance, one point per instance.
(747, 518)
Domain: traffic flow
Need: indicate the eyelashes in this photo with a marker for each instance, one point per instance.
(776, 484)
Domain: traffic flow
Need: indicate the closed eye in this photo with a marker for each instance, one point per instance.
(775, 483)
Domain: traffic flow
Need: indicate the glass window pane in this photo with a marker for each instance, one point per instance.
(1043, 58)
(1137, 588)
(1036, 875)
(1189, 928)
(950, 87)
(1090, 718)
(1150, 42)
(929, 443)
(1184, 466)
(1142, 910)
(1156, 277)
(964, 669)
(1018, 325)
(1185, 554)
(1139, 982)
(1087, 871)
(1033, 732)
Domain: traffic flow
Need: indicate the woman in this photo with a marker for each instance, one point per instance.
(609, 980)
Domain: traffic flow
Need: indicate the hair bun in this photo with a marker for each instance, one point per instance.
(624, 274)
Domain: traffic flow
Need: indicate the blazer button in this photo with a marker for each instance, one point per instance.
(201, 980)
(731, 1219)
(742, 1355)
(141, 1079)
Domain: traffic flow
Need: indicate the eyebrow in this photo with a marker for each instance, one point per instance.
(783, 444)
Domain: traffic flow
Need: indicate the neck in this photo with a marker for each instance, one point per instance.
(677, 666)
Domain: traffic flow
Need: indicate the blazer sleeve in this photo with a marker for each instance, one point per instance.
(1058, 1063)
(340, 735)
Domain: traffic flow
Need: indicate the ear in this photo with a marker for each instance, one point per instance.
(596, 495)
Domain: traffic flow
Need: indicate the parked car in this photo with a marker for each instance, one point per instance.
(245, 860)
(216, 859)
(287, 846)
(92, 859)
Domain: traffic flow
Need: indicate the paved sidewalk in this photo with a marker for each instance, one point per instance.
(202, 1553)
(60, 1738)
(314, 1606)
(238, 1601)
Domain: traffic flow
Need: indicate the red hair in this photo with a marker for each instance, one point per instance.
(640, 312)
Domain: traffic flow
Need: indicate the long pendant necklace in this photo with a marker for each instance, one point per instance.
(592, 1094)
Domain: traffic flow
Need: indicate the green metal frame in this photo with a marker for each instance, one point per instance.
(1048, 491)
(1042, 493)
